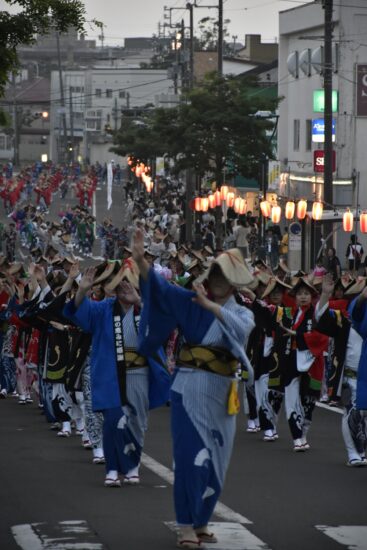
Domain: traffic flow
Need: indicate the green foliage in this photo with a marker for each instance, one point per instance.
(34, 17)
(216, 129)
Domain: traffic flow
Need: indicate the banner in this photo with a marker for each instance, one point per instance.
(109, 185)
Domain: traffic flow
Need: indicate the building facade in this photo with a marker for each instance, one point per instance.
(94, 103)
(300, 131)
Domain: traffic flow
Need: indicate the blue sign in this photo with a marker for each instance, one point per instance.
(318, 130)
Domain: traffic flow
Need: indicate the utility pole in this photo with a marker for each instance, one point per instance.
(115, 115)
(15, 124)
(62, 100)
(128, 100)
(220, 37)
(71, 115)
(190, 7)
(328, 114)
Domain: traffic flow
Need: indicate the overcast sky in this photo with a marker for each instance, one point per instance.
(126, 18)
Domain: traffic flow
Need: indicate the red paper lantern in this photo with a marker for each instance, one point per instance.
(223, 192)
(276, 213)
(301, 209)
(265, 208)
(317, 210)
(212, 201)
(363, 222)
(204, 204)
(198, 204)
(348, 221)
(289, 210)
(230, 199)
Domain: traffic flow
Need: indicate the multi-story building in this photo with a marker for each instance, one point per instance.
(300, 131)
(94, 101)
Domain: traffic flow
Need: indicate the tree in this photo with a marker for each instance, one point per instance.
(35, 17)
(216, 130)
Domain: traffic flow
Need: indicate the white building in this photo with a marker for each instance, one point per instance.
(300, 76)
(94, 101)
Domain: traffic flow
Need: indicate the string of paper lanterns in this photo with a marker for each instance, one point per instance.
(222, 196)
(274, 213)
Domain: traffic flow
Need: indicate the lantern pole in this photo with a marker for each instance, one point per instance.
(355, 178)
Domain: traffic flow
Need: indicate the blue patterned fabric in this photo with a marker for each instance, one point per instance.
(203, 432)
(96, 318)
(8, 379)
(359, 320)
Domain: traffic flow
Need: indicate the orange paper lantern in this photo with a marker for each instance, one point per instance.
(204, 204)
(223, 192)
(230, 199)
(197, 206)
(237, 204)
(243, 207)
(265, 208)
(363, 222)
(212, 201)
(301, 209)
(317, 210)
(348, 221)
(218, 198)
(289, 210)
(276, 213)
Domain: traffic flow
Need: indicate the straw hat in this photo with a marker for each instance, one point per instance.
(303, 281)
(128, 271)
(16, 269)
(109, 270)
(209, 250)
(273, 283)
(357, 287)
(198, 255)
(262, 277)
(233, 268)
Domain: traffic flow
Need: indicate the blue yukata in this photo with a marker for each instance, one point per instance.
(203, 431)
(359, 319)
(146, 387)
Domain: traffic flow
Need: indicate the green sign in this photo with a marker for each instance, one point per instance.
(319, 101)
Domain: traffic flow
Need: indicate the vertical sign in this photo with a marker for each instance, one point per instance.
(361, 103)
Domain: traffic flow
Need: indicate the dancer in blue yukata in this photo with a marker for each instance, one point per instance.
(124, 383)
(214, 331)
(358, 311)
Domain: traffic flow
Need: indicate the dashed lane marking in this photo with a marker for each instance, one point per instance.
(328, 408)
(354, 537)
(221, 510)
(63, 535)
(231, 536)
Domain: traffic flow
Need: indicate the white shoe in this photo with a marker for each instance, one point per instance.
(3, 394)
(132, 480)
(298, 446)
(357, 462)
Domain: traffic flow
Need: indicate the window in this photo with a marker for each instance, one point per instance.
(296, 128)
(108, 93)
(3, 142)
(308, 134)
(108, 118)
(98, 92)
(91, 124)
(122, 95)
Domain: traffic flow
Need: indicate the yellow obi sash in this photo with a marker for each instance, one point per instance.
(133, 360)
(216, 360)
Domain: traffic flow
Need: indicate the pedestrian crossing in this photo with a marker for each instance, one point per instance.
(78, 535)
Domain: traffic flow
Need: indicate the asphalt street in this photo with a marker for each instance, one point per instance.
(273, 498)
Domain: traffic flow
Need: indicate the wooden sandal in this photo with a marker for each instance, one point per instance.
(207, 537)
(188, 543)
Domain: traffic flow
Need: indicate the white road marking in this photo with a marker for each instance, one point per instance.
(221, 510)
(328, 408)
(64, 535)
(352, 536)
(231, 536)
